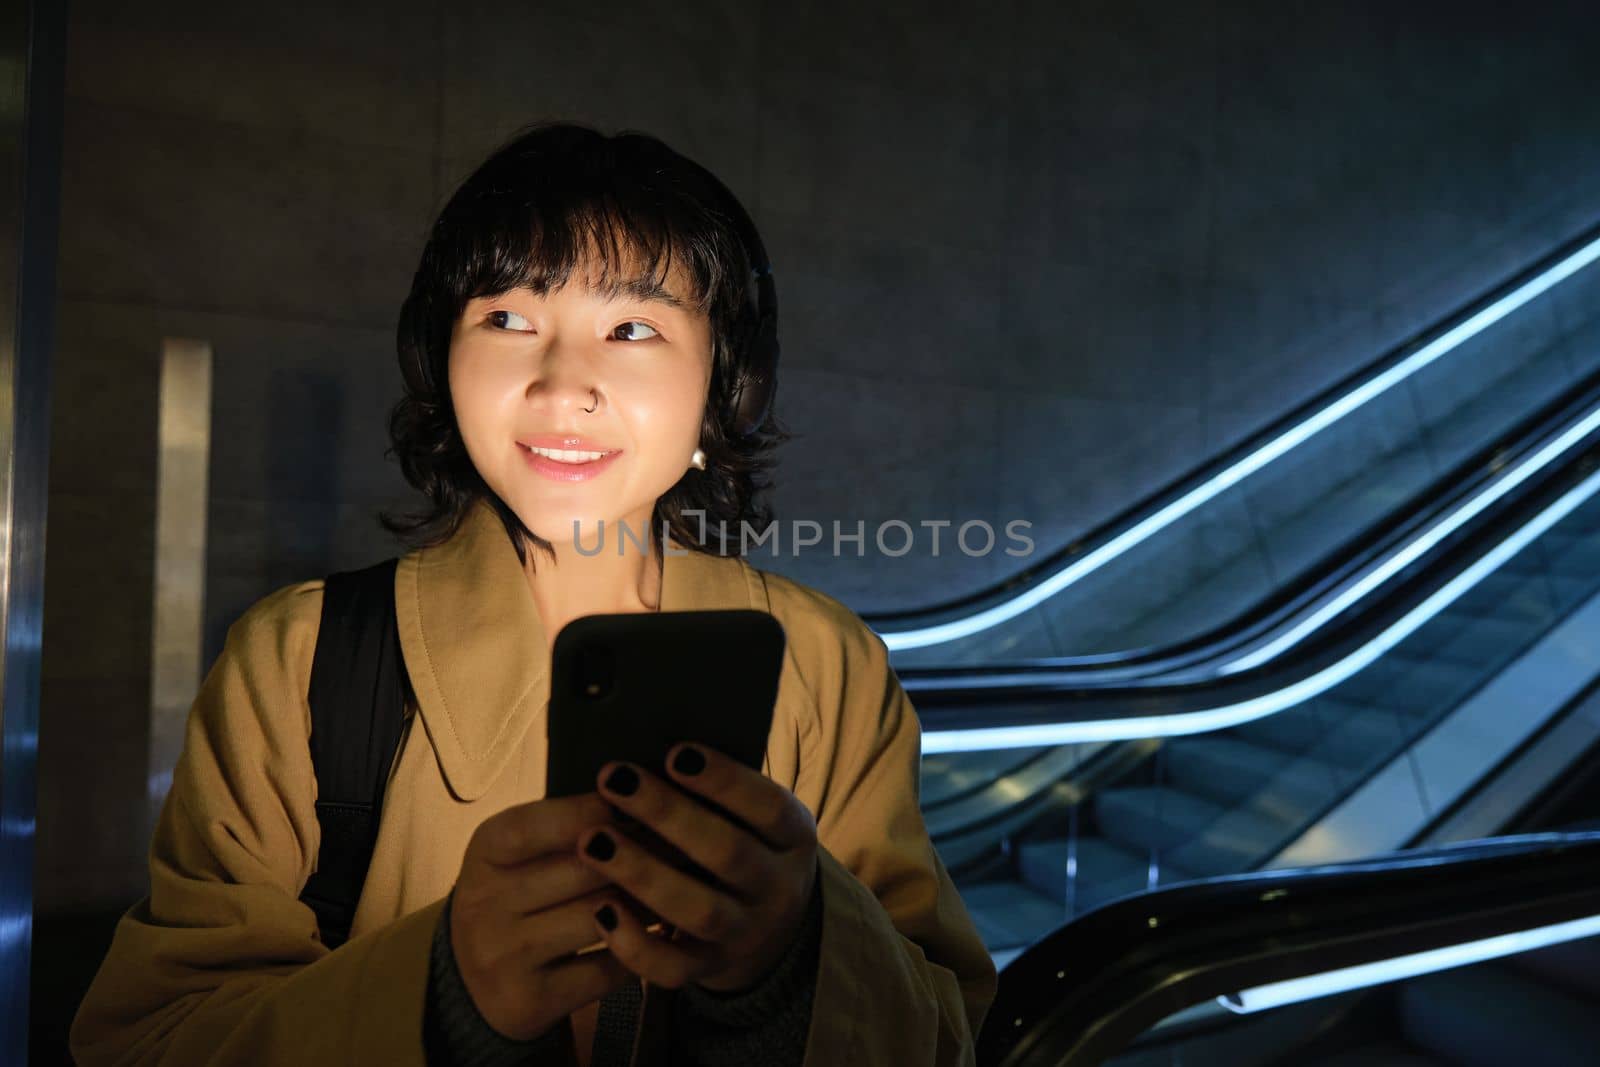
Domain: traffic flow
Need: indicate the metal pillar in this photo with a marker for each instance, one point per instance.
(32, 67)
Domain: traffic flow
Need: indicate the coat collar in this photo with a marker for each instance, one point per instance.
(476, 649)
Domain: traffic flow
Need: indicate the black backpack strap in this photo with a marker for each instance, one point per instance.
(358, 693)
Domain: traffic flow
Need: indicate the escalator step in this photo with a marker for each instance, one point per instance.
(1508, 596)
(1569, 592)
(1437, 635)
(1220, 768)
(1573, 570)
(1488, 641)
(1190, 831)
(1587, 517)
(950, 774)
(1489, 1016)
(1292, 730)
(1359, 738)
(1410, 685)
(1043, 866)
(1554, 542)
(1302, 789)
(1239, 840)
(1235, 772)
(1104, 871)
(1367, 685)
(1152, 817)
(1010, 915)
(1520, 570)
(1579, 557)
(1432, 687)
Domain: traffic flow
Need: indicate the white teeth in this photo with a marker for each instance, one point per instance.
(566, 456)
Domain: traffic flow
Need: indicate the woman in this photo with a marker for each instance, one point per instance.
(583, 342)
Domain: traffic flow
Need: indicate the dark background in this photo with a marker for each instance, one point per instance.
(1035, 260)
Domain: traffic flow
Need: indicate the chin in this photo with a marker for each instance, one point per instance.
(558, 529)
(555, 525)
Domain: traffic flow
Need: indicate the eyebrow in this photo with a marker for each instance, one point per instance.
(643, 289)
(648, 289)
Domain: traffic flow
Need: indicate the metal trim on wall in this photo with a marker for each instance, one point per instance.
(183, 453)
(32, 72)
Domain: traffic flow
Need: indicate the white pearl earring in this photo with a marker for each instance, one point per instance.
(698, 459)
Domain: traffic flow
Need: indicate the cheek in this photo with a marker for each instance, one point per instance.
(668, 411)
(462, 400)
(473, 392)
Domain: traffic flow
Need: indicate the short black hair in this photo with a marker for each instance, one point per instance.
(554, 197)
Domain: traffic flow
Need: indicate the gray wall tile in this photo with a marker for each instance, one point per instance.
(1113, 238)
(225, 217)
(361, 72)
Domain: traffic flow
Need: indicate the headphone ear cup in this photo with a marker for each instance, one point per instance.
(755, 349)
(753, 395)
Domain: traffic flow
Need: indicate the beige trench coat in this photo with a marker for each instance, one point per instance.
(221, 963)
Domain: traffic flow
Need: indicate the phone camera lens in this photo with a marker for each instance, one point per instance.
(597, 672)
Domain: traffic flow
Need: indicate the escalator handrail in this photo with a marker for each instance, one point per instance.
(1286, 602)
(1082, 993)
(1142, 511)
(1126, 708)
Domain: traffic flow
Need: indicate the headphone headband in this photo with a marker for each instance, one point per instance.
(751, 394)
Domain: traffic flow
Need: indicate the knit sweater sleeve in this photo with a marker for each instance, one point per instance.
(456, 1034)
(766, 1024)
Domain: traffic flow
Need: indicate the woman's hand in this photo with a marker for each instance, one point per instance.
(522, 906)
(728, 935)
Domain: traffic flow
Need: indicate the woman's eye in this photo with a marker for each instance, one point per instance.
(637, 325)
(499, 319)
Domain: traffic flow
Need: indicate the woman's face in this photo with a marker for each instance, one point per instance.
(522, 368)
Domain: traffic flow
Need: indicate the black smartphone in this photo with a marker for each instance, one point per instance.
(630, 686)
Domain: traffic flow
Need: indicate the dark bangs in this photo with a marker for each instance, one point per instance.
(532, 217)
(626, 210)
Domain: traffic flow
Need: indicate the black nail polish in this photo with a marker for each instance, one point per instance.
(601, 847)
(607, 916)
(623, 781)
(689, 761)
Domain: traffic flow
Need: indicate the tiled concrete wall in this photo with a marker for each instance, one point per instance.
(1035, 259)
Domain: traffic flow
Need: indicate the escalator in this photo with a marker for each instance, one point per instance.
(1482, 954)
(1530, 1006)
(1537, 1007)
(1271, 514)
(1303, 784)
(1257, 725)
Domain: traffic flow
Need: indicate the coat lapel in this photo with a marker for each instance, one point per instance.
(476, 648)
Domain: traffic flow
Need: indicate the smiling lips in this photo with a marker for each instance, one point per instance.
(567, 456)
(565, 464)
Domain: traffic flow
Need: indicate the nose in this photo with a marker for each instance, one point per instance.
(564, 380)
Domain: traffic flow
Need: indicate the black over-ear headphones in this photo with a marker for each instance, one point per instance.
(751, 395)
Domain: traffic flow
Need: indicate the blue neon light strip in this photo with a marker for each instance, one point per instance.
(981, 739)
(1264, 998)
(1208, 490)
(1414, 551)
